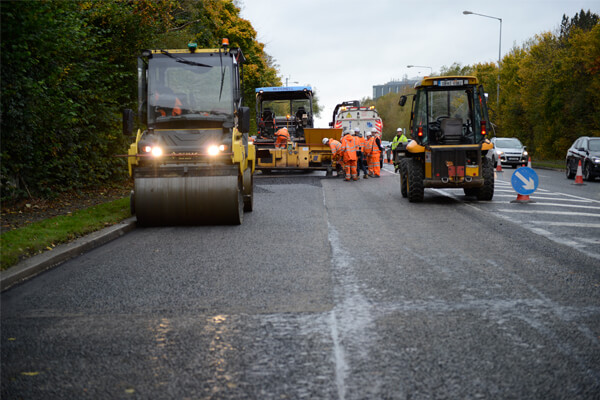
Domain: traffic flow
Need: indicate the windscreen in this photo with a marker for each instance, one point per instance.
(180, 90)
(283, 108)
(457, 105)
(508, 143)
(594, 145)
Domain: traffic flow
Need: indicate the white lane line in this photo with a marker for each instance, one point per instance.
(507, 210)
(563, 205)
(568, 224)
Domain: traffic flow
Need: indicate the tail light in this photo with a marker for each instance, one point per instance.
(420, 133)
(483, 128)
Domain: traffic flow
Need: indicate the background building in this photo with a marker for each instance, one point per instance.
(392, 87)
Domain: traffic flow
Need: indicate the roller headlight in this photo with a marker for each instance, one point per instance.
(215, 150)
(157, 151)
(152, 149)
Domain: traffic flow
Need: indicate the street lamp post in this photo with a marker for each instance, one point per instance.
(499, 50)
(421, 66)
(286, 81)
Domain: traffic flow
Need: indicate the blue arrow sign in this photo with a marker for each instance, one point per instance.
(525, 181)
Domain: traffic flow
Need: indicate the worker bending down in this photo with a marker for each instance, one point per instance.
(336, 151)
(283, 137)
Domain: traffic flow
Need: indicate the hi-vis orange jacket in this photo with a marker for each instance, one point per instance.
(349, 147)
(372, 147)
(336, 147)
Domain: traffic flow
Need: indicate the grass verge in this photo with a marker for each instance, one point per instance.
(554, 164)
(32, 239)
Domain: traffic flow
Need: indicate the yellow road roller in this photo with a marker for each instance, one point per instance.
(192, 164)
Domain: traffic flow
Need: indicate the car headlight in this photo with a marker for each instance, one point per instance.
(214, 149)
(499, 153)
(596, 160)
(525, 153)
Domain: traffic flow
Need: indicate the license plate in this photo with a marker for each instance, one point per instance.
(513, 158)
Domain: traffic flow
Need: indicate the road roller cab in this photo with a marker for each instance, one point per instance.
(192, 164)
(448, 125)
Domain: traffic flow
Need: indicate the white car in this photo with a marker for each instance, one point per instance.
(509, 151)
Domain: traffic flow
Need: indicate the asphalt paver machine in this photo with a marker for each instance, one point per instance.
(291, 108)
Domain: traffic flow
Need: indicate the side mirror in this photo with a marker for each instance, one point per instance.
(402, 101)
(127, 122)
(244, 119)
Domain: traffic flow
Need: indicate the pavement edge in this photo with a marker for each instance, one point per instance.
(32, 266)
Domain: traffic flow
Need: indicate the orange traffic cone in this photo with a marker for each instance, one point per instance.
(523, 198)
(529, 162)
(499, 166)
(579, 176)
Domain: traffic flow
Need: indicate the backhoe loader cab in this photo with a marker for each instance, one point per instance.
(449, 123)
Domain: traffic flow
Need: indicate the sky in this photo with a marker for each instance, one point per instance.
(343, 48)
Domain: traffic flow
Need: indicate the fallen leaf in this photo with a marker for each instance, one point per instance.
(33, 373)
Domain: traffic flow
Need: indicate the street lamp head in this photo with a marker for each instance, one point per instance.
(467, 12)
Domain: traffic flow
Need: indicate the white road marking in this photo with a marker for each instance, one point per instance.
(506, 210)
(568, 224)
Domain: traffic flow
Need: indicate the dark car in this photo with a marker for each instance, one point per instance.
(509, 151)
(587, 150)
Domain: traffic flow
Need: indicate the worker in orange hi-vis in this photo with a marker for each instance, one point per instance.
(349, 147)
(283, 137)
(373, 150)
(336, 151)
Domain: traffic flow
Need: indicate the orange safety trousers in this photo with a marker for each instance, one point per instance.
(350, 169)
(374, 164)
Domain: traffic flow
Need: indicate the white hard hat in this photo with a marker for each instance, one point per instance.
(325, 140)
(399, 130)
(374, 130)
(357, 129)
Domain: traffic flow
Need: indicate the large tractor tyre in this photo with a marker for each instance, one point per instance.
(486, 192)
(471, 191)
(416, 188)
(248, 190)
(403, 178)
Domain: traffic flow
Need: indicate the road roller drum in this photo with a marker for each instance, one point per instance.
(196, 200)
